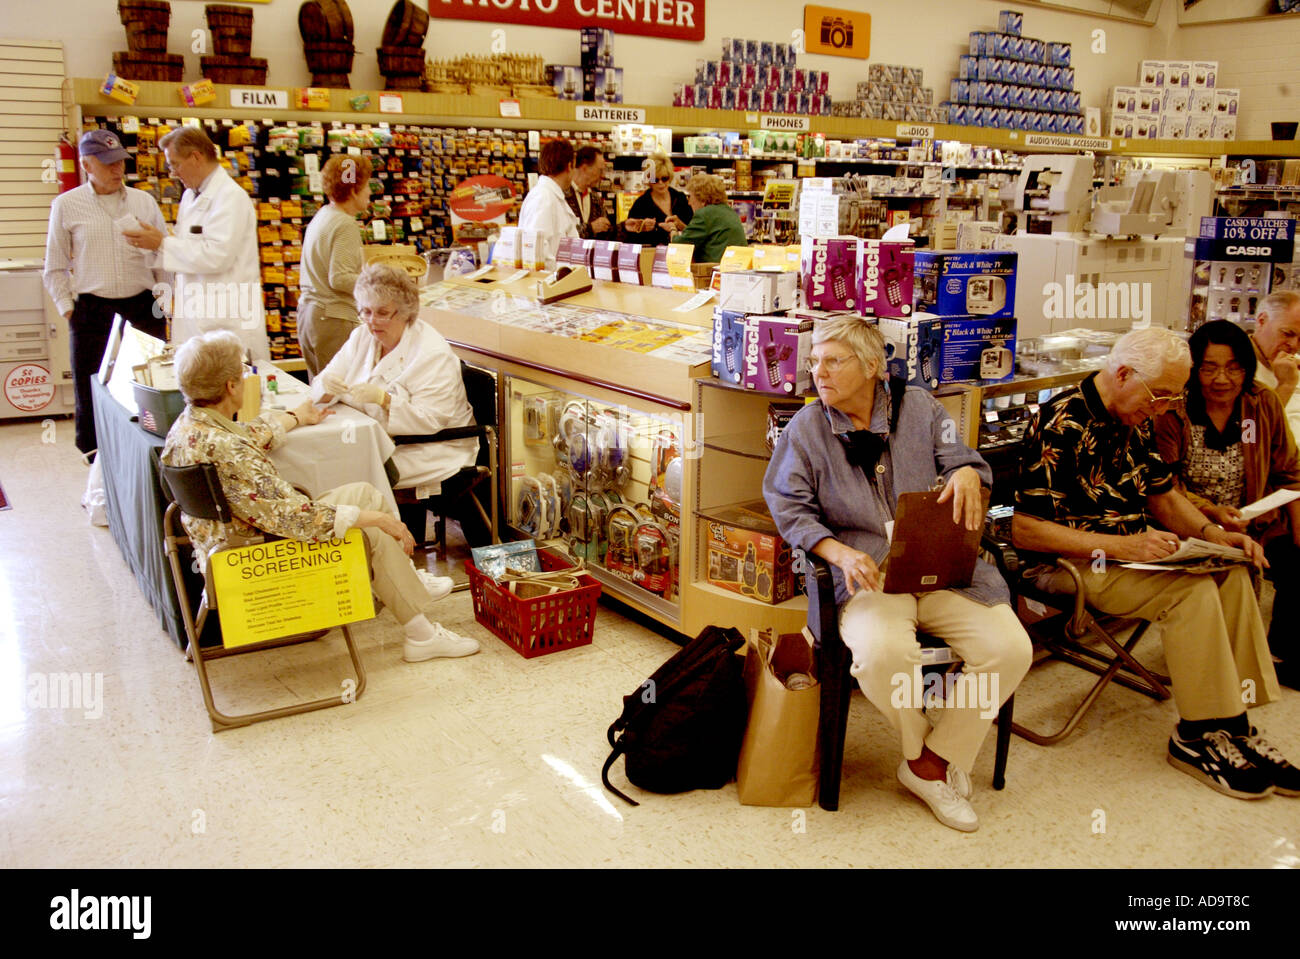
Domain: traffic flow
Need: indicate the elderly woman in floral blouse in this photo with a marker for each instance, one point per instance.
(209, 368)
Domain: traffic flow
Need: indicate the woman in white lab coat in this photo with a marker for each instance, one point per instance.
(401, 372)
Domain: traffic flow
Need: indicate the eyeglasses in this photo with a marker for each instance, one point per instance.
(831, 364)
(1160, 400)
(1232, 371)
(383, 313)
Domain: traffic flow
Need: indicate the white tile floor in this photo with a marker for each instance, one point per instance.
(495, 760)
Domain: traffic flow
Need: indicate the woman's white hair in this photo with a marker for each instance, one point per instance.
(1149, 352)
(861, 337)
(206, 363)
(380, 285)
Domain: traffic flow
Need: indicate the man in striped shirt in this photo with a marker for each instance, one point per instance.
(92, 273)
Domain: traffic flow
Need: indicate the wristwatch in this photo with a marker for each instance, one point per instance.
(1201, 534)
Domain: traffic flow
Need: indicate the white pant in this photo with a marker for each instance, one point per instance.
(880, 630)
(393, 578)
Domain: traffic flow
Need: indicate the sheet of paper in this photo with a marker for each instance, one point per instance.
(1270, 502)
(695, 302)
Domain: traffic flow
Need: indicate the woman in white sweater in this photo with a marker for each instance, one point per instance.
(331, 261)
(402, 373)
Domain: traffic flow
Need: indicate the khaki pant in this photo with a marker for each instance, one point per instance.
(320, 336)
(392, 576)
(1215, 646)
(880, 630)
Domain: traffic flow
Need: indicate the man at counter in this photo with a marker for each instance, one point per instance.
(1092, 486)
(584, 201)
(1276, 339)
(92, 273)
(213, 251)
(545, 209)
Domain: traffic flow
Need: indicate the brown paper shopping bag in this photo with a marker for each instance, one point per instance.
(778, 760)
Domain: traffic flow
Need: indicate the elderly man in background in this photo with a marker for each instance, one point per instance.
(1277, 339)
(1091, 483)
(213, 251)
(92, 272)
(588, 170)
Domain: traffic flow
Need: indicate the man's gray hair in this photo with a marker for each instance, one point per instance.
(382, 285)
(205, 363)
(189, 139)
(1278, 304)
(861, 338)
(1149, 352)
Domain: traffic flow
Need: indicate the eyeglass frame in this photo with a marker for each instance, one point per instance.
(1169, 401)
(1238, 376)
(833, 364)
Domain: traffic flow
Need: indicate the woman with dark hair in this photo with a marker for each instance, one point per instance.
(1232, 446)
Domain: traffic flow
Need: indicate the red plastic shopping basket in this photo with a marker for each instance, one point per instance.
(544, 624)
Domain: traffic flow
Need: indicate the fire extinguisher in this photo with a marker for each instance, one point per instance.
(66, 156)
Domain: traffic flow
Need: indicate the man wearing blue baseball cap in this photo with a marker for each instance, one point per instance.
(92, 273)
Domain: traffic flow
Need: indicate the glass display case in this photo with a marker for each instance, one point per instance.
(604, 481)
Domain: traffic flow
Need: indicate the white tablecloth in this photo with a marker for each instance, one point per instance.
(348, 447)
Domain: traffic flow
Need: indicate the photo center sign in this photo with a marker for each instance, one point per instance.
(669, 19)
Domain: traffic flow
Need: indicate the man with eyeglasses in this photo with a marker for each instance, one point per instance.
(1277, 340)
(1092, 485)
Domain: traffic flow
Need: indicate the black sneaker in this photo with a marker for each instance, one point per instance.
(1217, 761)
(1265, 756)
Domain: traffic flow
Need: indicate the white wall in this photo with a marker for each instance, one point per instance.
(1260, 57)
(925, 33)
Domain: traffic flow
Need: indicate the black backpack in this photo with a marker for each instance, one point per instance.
(682, 728)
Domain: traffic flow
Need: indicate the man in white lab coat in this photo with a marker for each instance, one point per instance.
(213, 250)
(546, 208)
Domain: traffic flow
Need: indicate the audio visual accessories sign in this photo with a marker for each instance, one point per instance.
(667, 19)
(838, 33)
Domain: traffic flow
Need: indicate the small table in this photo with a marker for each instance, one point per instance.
(348, 447)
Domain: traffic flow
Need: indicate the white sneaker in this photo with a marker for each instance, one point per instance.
(959, 780)
(438, 586)
(948, 807)
(444, 645)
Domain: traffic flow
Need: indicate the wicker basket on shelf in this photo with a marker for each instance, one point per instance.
(243, 70)
(406, 26)
(167, 67)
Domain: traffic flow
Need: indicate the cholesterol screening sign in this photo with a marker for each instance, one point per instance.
(285, 587)
(669, 19)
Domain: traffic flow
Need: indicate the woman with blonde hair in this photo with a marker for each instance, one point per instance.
(647, 222)
(331, 261)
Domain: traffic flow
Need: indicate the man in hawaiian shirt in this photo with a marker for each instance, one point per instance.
(1092, 487)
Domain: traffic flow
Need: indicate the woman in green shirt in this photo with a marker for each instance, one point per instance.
(715, 225)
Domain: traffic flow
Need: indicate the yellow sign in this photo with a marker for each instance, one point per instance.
(839, 33)
(285, 587)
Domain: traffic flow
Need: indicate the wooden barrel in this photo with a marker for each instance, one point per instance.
(226, 43)
(152, 14)
(249, 70)
(144, 38)
(401, 61)
(325, 21)
(329, 57)
(406, 26)
(223, 16)
(392, 82)
(166, 67)
(338, 80)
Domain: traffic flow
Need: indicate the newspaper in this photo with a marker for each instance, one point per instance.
(1194, 556)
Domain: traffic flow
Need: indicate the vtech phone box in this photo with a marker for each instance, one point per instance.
(728, 345)
(829, 270)
(981, 283)
(885, 277)
(776, 351)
